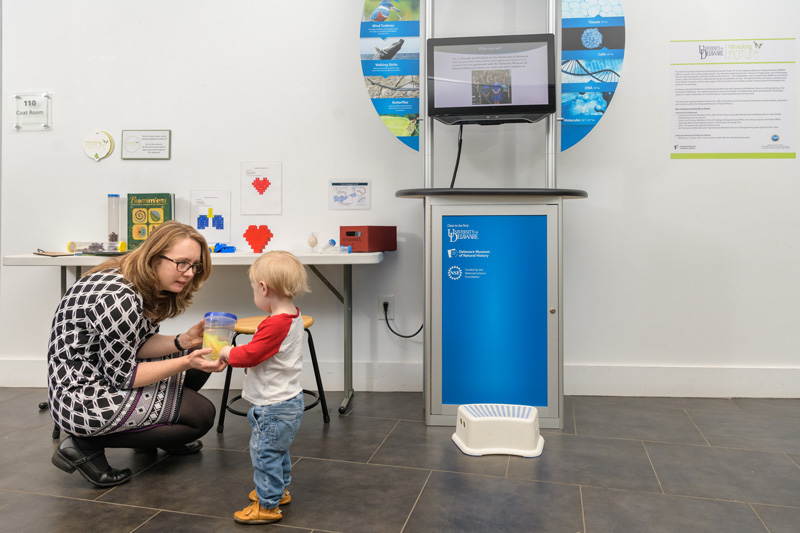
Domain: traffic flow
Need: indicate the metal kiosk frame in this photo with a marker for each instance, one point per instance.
(497, 204)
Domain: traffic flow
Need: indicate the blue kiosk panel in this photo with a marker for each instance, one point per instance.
(494, 309)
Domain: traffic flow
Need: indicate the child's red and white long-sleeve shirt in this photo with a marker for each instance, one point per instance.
(274, 359)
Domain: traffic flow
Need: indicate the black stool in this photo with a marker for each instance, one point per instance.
(248, 326)
(56, 429)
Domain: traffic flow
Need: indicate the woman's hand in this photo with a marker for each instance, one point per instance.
(196, 360)
(193, 337)
(149, 372)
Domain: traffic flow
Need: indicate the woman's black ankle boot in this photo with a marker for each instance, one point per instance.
(69, 457)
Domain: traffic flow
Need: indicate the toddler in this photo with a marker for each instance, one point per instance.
(274, 359)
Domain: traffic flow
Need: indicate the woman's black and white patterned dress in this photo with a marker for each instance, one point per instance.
(97, 331)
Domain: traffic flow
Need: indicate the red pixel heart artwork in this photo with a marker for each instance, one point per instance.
(261, 184)
(258, 237)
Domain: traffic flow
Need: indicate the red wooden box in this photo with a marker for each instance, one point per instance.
(369, 238)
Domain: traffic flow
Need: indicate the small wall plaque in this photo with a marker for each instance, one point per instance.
(98, 144)
(32, 111)
(146, 144)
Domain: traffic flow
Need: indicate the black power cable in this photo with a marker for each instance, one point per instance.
(386, 316)
(458, 157)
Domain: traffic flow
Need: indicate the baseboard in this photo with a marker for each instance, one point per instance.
(405, 377)
(394, 377)
(682, 382)
(579, 380)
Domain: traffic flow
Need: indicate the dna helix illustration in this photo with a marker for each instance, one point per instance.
(574, 67)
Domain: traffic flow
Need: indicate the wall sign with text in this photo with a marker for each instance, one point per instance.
(389, 51)
(734, 99)
(146, 144)
(592, 50)
(32, 111)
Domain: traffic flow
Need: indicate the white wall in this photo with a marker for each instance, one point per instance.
(680, 277)
(235, 82)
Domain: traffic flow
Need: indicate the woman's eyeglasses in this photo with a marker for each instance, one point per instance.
(185, 266)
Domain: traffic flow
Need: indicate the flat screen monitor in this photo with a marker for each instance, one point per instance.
(491, 80)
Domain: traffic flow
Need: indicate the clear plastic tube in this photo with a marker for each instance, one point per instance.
(113, 217)
(93, 247)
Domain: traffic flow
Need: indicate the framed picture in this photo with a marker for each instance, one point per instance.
(146, 144)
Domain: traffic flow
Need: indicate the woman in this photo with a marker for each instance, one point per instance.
(497, 97)
(114, 381)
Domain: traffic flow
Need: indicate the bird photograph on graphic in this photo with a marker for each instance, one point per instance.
(377, 11)
(384, 11)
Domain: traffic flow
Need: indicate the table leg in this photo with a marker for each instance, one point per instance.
(348, 337)
(63, 279)
(66, 280)
(347, 303)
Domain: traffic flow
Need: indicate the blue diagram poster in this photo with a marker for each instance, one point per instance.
(489, 281)
(211, 215)
(389, 48)
(592, 50)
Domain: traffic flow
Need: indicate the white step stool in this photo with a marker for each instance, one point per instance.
(490, 428)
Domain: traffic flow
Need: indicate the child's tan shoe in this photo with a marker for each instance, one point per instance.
(285, 499)
(255, 514)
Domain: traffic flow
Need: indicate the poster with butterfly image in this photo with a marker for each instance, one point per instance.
(261, 188)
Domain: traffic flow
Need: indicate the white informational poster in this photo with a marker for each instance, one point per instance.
(734, 99)
(261, 188)
(146, 144)
(211, 215)
(344, 194)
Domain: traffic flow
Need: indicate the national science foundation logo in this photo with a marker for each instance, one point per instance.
(454, 272)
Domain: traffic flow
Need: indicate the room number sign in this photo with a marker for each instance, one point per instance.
(32, 111)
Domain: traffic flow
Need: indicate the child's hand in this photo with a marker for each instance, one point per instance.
(196, 360)
(224, 353)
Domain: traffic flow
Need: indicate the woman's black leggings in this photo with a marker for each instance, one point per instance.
(195, 420)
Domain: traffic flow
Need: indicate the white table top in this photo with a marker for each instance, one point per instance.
(236, 258)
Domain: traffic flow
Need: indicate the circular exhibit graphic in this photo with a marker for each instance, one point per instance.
(592, 50)
(98, 145)
(389, 50)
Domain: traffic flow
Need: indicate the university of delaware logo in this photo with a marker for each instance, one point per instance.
(707, 51)
(454, 272)
(461, 234)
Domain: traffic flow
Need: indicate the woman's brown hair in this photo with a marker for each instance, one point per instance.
(139, 268)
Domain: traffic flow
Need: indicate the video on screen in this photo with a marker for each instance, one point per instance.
(491, 75)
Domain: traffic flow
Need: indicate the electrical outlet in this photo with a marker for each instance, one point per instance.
(386, 299)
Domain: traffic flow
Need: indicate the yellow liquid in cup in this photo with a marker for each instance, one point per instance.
(211, 339)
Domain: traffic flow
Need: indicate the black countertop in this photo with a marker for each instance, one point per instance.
(421, 193)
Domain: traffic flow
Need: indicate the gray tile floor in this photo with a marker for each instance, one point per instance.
(620, 464)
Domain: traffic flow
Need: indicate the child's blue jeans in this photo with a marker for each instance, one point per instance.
(274, 427)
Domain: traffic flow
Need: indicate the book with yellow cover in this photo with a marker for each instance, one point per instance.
(145, 212)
